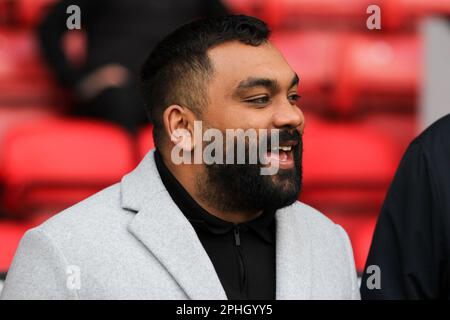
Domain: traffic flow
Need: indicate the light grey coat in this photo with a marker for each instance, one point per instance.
(130, 241)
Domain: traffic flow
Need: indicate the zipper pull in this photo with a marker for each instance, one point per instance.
(237, 237)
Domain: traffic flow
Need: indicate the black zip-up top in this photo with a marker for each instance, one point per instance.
(243, 255)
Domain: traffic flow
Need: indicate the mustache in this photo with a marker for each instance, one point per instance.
(286, 135)
(264, 143)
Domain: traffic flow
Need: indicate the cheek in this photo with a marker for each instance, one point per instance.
(240, 118)
(254, 118)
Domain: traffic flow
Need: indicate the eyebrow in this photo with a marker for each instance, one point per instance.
(270, 84)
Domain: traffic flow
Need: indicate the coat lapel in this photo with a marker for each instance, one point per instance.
(169, 236)
(293, 257)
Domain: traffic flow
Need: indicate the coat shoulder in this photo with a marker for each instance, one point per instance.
(96, 215)
(316, 221)
(320, 230)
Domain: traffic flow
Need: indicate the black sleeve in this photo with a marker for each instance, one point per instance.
(50, 34)
(407, 238)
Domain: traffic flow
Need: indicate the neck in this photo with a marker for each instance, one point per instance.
(187, 175)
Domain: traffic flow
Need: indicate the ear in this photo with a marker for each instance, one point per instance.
(179, 126)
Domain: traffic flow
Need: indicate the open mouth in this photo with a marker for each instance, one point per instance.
(282, 155)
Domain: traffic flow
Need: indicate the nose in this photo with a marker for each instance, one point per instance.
(289, 115)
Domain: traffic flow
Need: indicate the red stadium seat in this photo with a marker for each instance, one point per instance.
(145, 141)
(4, 13)
(30, 12)
(314, 56)
(400, 129)
(323, 13)
(379, 72)
(339, 14)
(11, 116)
(347, 73)
(51, 164)
(346, 152)
(24, 78)
(10, 234)
(347, 167)
(19, 51)
(300, 13)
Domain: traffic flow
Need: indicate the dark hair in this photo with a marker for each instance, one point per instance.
(178, 69)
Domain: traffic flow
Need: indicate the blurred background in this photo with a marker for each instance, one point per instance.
(72, 121)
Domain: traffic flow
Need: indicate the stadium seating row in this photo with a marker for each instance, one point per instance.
(24, 13)
(341, 73)
(397, 14)
(348, 73)
(49, 164)
(66, 155)
(334, 14)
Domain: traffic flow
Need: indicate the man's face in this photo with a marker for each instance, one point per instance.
(253, 88)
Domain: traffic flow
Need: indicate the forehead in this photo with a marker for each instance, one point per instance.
(235, 61)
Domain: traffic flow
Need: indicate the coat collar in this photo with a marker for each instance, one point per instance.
(169, 236)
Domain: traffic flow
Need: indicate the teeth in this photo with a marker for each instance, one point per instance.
(284, 148)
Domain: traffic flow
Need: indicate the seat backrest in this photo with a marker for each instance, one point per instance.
(62, 159)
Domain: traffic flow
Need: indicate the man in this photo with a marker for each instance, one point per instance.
(196, 230)
(411, 245)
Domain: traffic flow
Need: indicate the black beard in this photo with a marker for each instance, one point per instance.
(241, 187)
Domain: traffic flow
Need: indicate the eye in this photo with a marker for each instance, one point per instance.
(294, 98)
(259, 100)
